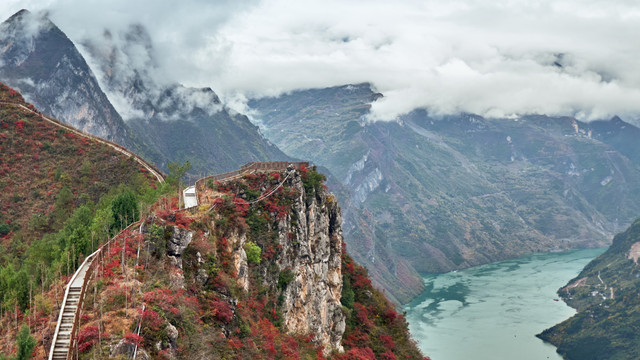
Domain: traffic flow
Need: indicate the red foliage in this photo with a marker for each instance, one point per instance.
(363, 316)
(265, 332)
(303, 170)
(152, 320)
(221, 311)
(235, 343)
(133, 339)
(388, 356)
(387, 341)
(242, 206)
(357, 354)
(88, 337)
(357, 339)
(390, 315)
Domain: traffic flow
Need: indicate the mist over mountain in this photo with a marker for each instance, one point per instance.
(449, 192)
(37, 58)
(494, 59)
(179, 122)
(163, 120)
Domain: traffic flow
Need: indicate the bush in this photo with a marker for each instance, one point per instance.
(286, 276)
(253, 252)
(4, 229)
(26, 343)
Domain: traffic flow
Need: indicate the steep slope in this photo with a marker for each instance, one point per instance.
(258, 271)
(59, 190)
(180, 123)
(46, 171)
(40, 61)
(605, 294)
(445, 193)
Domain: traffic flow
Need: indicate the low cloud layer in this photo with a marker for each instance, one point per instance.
(494, 58)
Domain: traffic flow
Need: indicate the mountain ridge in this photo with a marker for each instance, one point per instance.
(447, 192)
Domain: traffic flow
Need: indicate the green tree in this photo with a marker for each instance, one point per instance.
(99, 229)
(26, 343)
(124, 209)
(176, 172)
(21, 287)
(63, 206)
(253, 252)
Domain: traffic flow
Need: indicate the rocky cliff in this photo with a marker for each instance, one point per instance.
(309, 239)
(258, 270)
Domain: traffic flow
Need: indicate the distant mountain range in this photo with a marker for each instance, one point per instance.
(421, 194)
(164, 122)
(445, 193)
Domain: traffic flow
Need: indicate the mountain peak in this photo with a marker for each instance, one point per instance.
(19, 14)
(24, 22)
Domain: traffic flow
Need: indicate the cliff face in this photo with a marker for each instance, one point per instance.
(310, 242)
(258, 270)
(312, 299)
(438, 193)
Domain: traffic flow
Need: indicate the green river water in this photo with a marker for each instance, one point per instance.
(493, 311)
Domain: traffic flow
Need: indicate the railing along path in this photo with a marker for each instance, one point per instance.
(150, 167)
(64, 337)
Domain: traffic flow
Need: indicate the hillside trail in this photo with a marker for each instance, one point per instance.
(152, 169)
(64, 338)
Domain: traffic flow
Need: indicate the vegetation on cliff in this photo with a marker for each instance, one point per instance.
(59, 198)
(238, 277)
(605, 294)
(201, 297)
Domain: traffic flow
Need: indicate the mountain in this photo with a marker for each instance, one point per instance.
(59, 190)
(605, 294)
(48, 170)
(448, 192)
(38, 59)
(163, 120)
(259, 270)
(180, 123)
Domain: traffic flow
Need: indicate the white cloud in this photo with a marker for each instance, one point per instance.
(491, 57)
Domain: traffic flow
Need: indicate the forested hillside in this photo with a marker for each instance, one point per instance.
(62, 195)
(258, 271)
(605, 294)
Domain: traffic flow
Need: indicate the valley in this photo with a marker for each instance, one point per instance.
(458, 184)
(438, 193)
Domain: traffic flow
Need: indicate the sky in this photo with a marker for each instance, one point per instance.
(489, 57)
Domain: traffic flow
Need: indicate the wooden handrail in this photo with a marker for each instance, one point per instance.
(90, 265)
(152, 169)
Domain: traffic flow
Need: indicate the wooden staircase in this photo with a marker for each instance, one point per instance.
(63, 340)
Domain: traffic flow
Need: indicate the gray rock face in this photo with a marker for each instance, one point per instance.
(180, 239)
(44, 65)
(312, 300)
(124, 348)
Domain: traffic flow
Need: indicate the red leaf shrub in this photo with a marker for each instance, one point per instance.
(133, 339)
(387, 341)
(357, 354)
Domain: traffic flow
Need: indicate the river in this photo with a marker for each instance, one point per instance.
(493, 311)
